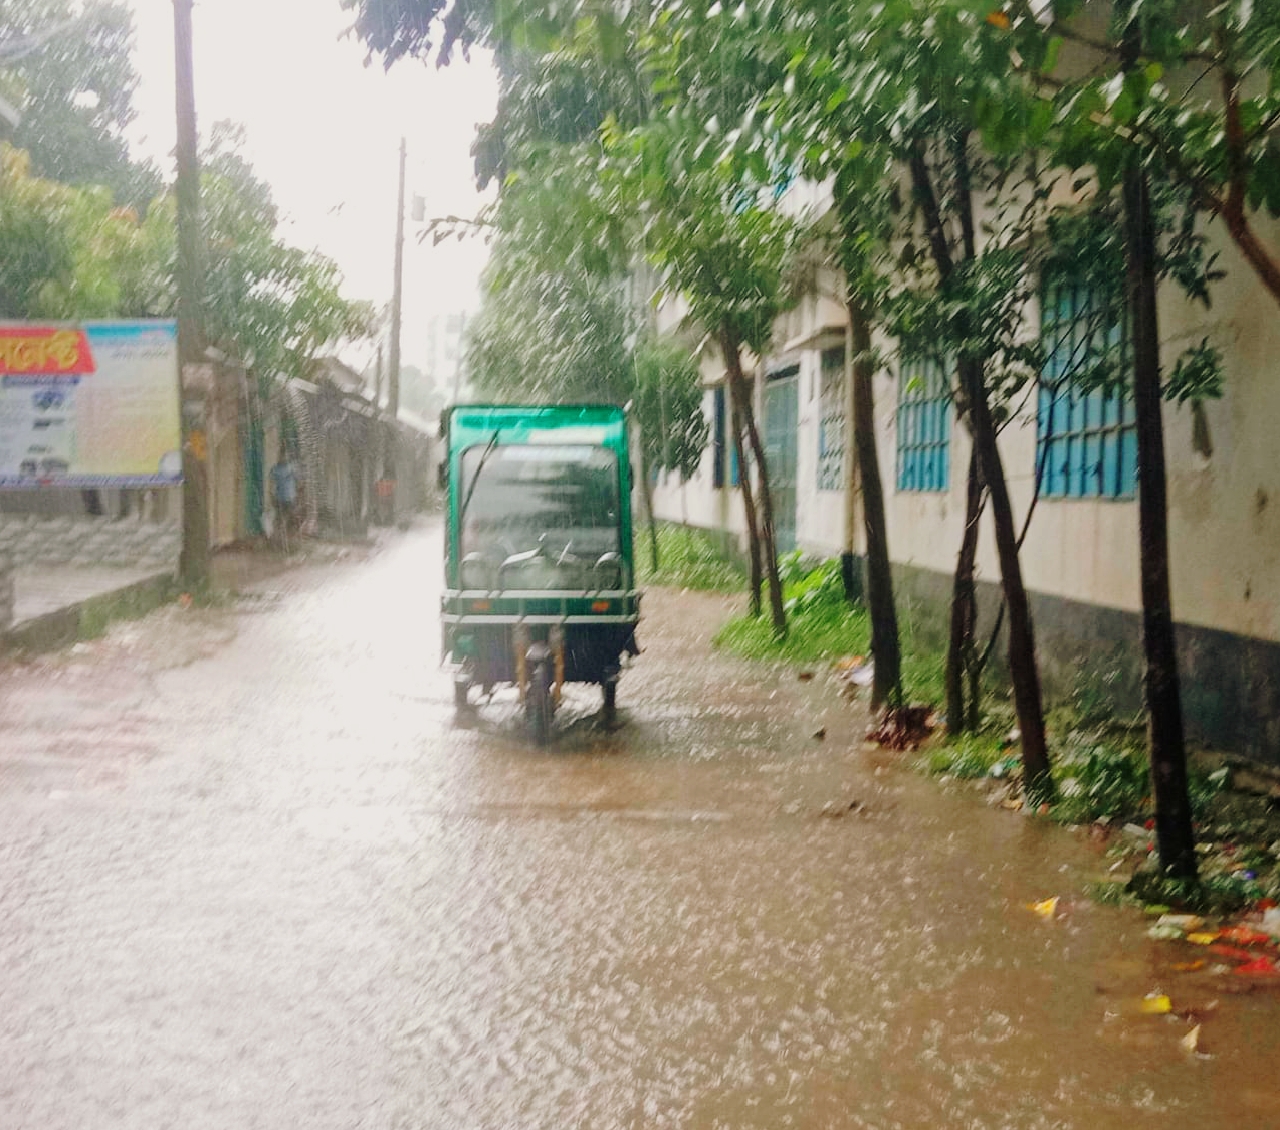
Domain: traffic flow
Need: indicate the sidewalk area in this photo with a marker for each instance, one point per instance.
(38, 591)
(54, 605)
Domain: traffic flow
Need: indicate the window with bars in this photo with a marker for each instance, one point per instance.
(831, 421)
(1086, 439)
(924, 426)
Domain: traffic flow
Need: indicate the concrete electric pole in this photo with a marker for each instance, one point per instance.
(393, 353)
(193, 564)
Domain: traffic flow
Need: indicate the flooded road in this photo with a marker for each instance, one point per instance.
(254, 874)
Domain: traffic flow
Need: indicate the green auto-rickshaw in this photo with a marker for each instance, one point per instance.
(539, 571)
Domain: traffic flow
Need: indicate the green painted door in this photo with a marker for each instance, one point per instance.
(781, 423)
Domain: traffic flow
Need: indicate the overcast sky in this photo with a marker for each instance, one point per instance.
(324, 130)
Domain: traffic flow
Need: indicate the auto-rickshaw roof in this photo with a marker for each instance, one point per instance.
(604, 425)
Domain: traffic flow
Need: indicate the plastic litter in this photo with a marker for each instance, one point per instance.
(1191, 1041)
(1270, 923)
(1155, 1004)
(1258, 967)
(1233, 952)
(1165, 932)
(1244, 936)
(1046, 908)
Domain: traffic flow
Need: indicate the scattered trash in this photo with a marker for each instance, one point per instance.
(1244, 936)
(902, 727)
(855, 672)
(1164, 932)
(1233, 952)
(1046, 908)
(1270, 923)
(834, 809)
(1191, 1041)
(820, 733)
(1188, 966)
(1205, 938)
(805, 676)
(1155, 1004)
(1004, 767)
(1258, 967)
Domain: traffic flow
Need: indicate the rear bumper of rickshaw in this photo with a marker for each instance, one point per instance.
(486, 632)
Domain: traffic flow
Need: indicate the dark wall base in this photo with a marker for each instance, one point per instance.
(1093, 656)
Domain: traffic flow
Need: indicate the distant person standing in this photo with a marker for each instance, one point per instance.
(284, 490)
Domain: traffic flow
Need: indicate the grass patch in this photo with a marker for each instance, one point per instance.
(822, 626)
(969, 756)
(687, 559)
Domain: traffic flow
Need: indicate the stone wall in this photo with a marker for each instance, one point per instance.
(28, 540)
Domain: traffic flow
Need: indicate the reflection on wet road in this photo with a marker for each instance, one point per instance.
(289, 890)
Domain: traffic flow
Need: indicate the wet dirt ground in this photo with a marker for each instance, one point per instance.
(253, 873)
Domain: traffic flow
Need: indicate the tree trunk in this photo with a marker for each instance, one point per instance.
(1023, 671)
(885, 648)
(1175, 836)
(768, 541)
(646, 492)
(756, 580)
(962, 715)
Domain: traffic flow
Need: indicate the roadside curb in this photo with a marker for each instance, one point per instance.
(88, 617)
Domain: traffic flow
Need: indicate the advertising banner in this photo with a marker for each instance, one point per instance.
(89, 405)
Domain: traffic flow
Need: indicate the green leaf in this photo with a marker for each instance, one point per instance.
(837, 99)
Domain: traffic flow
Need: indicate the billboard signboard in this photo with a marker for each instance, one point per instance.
(89, 405)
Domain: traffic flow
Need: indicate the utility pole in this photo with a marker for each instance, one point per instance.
(193, 564)
(393, 358)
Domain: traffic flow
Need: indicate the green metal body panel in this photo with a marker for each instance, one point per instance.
(472, 425)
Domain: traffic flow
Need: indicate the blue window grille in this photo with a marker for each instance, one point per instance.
(831, 421)
(924, 426)
(1086, 439)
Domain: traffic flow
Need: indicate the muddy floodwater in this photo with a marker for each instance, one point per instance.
(254, 873)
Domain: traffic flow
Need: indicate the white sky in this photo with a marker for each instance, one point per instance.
(324, 131)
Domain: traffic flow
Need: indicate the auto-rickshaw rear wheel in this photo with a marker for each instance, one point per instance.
(537, 702)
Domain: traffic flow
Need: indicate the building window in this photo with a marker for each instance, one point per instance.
(831, 421)
(1086, 440)
(924, 426)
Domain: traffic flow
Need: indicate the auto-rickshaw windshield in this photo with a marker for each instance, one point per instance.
(520, 496)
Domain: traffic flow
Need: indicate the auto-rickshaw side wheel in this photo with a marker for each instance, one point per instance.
(609, 713)
(537, 702)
